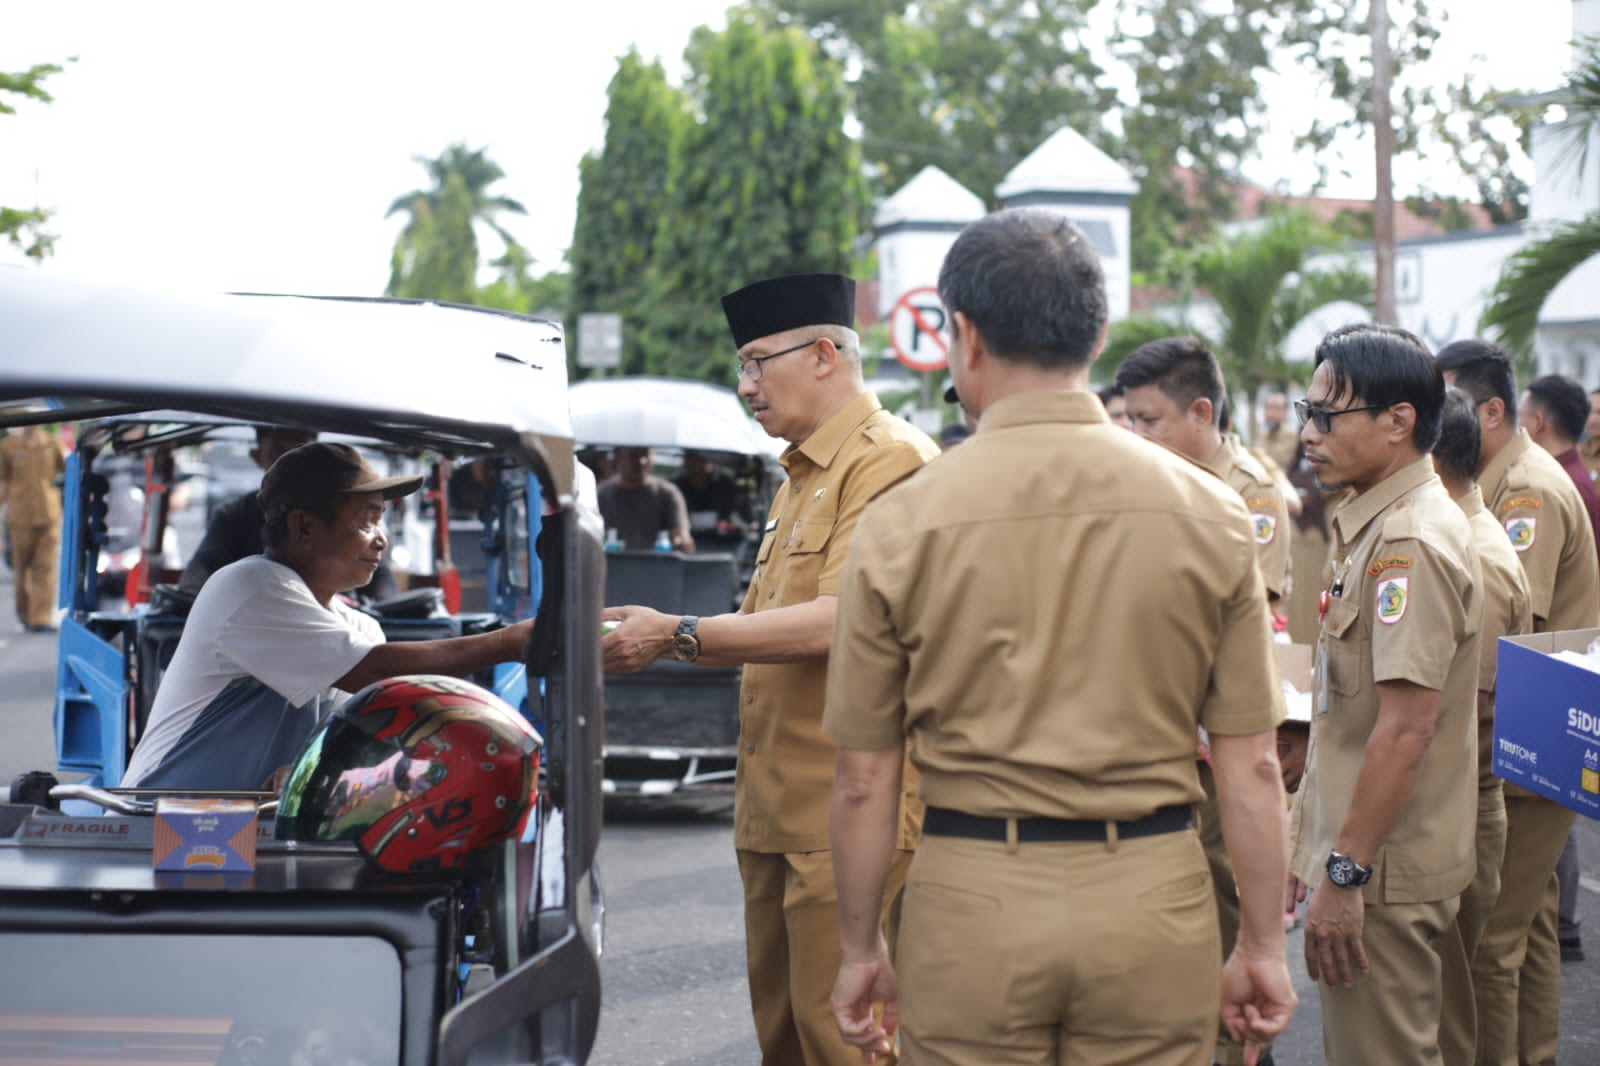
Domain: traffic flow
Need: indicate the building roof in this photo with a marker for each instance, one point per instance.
(932, 196)
(1066, 163)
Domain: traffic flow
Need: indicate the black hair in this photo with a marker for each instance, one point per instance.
(1183, 368)
(1460, 443)
(1563, 401)
(1107, 393)
(1031, 283)
(1484, 371)
(1383, 366)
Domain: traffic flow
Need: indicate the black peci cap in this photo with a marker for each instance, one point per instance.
(777, 305)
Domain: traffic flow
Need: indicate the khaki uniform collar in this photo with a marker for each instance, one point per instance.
(823, 446)
(1222, 458)
(1471, 502)
(1353, 517)
(1494, 475)
(1044, 405)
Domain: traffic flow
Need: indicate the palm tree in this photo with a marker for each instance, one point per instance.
(458, 167)
(1532, 273)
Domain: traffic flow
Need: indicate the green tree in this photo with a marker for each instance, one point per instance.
(1262, 290)
(459, 197)
(24, 227)
(622, 193)
(765, 181)
(1533, 272)
(436, 255)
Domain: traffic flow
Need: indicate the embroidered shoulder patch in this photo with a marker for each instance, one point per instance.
(1389, 562)
(1265, 526)
(1522, 530)
(1392, 599)
(1532, 502)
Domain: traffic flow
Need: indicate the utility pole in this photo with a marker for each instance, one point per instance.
(1383, 141)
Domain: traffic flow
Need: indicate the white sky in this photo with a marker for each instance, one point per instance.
(227, 146)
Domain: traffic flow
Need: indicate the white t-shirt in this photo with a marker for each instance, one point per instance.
(252, 676)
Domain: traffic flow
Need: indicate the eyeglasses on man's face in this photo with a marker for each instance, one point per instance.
(751, 369)
(1322, 417)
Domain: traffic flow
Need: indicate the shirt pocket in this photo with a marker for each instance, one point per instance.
(805, 547)
(1346, 659)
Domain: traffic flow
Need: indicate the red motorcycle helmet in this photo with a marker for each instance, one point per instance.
(419, 771)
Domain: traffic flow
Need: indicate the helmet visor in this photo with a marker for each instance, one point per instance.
(346, 780)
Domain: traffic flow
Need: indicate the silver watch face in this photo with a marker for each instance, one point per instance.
(1342, 870)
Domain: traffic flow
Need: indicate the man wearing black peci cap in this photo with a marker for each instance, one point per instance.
(269, 648)
(800, 371)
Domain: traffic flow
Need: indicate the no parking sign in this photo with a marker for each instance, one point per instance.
(917, 330)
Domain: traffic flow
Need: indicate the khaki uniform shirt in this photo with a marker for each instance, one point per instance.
(1534, 500)
(1263, 498)
(785, 768)
(1048, 612)
(1404, 605)
(1589, 452)
(29, 472)
(1507, 612)
(1280, 444)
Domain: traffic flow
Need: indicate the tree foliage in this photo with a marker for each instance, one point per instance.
(764, 181)
(24, 227)
(622, 197)
(437, 251)
(1532, 273)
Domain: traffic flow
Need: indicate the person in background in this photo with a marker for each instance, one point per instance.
(1278, 441)
(1516, 974)
(800, 371)
(641, 506)
(717, 513)
(1590, 448)
(1507, 611)
(32, 461)
(1116, 405)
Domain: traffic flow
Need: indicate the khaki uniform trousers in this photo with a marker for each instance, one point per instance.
(791, 928)
(1066, 954)
(1458, 1025)
(1392, 1014)
(1209, 817)
(35, 557)
(1536, 831)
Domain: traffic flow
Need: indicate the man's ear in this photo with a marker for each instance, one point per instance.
(1405, 422)
(1201, 409)
(1494, 412)
(826, 357)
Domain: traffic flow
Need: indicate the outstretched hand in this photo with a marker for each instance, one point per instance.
(640, 638)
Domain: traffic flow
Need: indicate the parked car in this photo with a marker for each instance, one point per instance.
(315, 956)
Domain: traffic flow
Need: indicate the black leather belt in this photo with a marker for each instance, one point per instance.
(943, 822)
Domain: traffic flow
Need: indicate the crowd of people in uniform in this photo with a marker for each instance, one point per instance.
(1013, 748)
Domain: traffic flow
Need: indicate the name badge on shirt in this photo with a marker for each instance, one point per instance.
(1320, 707)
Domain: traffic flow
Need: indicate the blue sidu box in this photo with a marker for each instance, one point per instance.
(1547, 719)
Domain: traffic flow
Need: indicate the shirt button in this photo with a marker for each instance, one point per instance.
(750, 749)
(751, 698)
(771, 593)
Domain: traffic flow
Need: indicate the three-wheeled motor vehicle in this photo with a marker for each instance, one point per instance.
(316, 955)
(673, 728)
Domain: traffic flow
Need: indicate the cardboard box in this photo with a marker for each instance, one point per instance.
(205, 835)
(1547, 719)
(1294, 670)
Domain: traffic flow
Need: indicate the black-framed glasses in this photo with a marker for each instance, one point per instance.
(751, 368)
(1323, 416)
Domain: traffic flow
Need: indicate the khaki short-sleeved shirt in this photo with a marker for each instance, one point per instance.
(29, 472)
(1263, 498)
(1279, 444)
(1048, 612)
(785, 767)
(1404, 605)
(1543, 516)
(1507, 612)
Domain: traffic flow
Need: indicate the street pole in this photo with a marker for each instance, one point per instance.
(1383, 139)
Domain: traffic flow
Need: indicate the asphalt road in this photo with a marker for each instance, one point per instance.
(673, 969)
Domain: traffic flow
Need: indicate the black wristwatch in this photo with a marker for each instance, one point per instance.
(686, 641)
(1346, 872)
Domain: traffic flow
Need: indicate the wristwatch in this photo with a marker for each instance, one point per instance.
(1346, 872)
(686, 641)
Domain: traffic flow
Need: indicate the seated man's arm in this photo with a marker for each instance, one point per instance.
(456, 656)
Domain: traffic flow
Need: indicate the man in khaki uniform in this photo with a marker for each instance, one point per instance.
(800, 371)
(31, 462)
(1507, 611)
(1385, 822)
(1279, 441)
(1516, 972)
(1174, 391)
(1048, 613)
